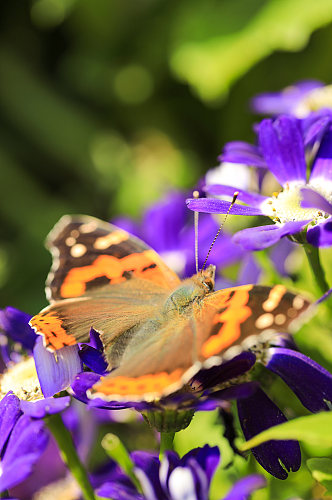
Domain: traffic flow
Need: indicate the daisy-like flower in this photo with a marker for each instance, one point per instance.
(301, 203)
(175, 478)
(299, 99)
(32, 373)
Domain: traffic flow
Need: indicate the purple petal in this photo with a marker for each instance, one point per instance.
(169, 216)
(147, 471)
(243, 488)
(9, 413)
(252, 199)
(312, 199)
(321, 234)
(258, 413)
(93, 359)
(322, 167)
(220, 374)
(283, 148)
(242, 152)
(279, 254)
(250, 272)
(56, 373)
(284, 101)
(26, 444)
(119, 490)
(311, 383)
(257, 238)
(15, 324)
(213, 206)
(44, 407)
(207, 457)
(314, 128)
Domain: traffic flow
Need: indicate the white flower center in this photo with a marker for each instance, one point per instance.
(22, 379)
(286, 206)
(316, 99)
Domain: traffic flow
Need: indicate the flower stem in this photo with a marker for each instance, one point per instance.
(312, 254)
(69, 454)
(166, 442)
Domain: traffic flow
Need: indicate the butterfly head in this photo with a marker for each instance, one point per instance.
(206, 277)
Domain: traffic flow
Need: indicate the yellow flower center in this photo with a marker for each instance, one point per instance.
(285, 206)
(22, 379)
(316, 99)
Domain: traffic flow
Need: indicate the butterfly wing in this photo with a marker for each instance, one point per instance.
(89, 253)
(225, 323)
(111, 310)
(101, 277)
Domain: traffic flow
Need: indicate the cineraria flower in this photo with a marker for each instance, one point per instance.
(299, 99)
(300, 203)
(174, 478)
(22, 442)
(32, 373)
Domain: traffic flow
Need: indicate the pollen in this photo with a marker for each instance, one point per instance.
(22, 379)
(285, 206)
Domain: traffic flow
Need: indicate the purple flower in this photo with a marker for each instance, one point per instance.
(175, 240)
(175, 478)
(23, 441)
(301, 203)
(299, 99)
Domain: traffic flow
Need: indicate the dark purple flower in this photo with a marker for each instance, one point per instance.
(257, 413)
(299, 99)
(175, 478)
(175, 241)
(302, 203)
(23, 440)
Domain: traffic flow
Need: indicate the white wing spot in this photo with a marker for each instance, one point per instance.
(280, 319)
(78, 250)
(70, 241)
(110, 239)
(264, 321)
(298, 302)
(89, 227)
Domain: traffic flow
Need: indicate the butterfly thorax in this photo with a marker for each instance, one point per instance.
(191, 290)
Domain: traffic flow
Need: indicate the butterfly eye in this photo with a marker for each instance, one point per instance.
(209, 285)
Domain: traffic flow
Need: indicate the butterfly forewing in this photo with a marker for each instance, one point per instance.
(89, 254)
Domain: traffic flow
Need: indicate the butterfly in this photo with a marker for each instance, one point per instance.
(157, 330)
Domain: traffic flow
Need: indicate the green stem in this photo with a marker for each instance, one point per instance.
(69, 454)
(312, 254)
(4, 494)
(166, 442)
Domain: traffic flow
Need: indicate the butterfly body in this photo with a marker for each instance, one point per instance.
(157, 331)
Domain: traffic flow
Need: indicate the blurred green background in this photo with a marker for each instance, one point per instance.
(107, 104)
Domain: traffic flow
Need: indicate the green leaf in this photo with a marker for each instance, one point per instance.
(312, 429)
(321, 470)
(211, 65)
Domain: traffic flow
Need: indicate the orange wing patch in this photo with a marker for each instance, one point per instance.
(153, 385)
(141, 265)
(50, 326)
(236, 312)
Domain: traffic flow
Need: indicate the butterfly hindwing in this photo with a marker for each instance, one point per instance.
(89, 254)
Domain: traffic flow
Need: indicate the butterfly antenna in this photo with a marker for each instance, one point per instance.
(196, 195)
(235, 195)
